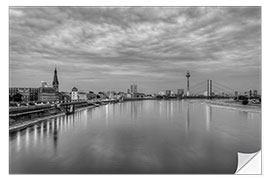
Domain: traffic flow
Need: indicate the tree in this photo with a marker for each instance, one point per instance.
(17, 97)
(159, 96)
(91, 96)
(245, 102)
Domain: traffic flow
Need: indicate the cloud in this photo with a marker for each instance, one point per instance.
(15, 13)
(138, 43)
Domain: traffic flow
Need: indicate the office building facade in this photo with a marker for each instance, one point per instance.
(28, 94)
(133, 88)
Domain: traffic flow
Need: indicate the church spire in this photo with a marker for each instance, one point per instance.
(55, 81)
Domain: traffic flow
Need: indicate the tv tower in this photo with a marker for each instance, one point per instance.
(188, 76)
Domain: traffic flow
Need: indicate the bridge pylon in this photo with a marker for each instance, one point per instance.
(209, 89)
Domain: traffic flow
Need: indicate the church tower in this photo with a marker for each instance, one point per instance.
(55, 82)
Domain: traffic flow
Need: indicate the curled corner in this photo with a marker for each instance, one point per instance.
(249, 163)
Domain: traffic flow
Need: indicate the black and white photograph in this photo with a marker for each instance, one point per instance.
(134, 89)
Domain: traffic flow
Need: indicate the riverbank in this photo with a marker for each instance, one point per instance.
(26, 120)
(233, 105)
(23, 124)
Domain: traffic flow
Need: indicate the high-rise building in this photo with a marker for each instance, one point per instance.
(133, 88)
(255, 93)
(250, 93)
(168, 92)
(55, 82)
(180, 92)
(128, 91)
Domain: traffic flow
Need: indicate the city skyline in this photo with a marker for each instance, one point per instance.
(102, 49)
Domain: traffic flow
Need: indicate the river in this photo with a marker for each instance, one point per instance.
(151, 136)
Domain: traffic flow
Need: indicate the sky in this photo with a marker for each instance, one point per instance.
(110, 48)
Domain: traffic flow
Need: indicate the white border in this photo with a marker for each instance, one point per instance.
(135, 3)
(4, 78)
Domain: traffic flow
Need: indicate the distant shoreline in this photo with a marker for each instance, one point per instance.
(233, 105)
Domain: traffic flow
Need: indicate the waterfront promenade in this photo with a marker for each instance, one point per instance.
(21, 117)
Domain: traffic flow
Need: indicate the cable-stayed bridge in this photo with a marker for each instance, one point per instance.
(210, 89)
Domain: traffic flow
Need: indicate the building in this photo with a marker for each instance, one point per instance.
(128, 91)
(161, 93)
(139, 95)
(64, 96)
(128, 96)
(168, 92)
(44, 93)
(120, 95)
(110, 94)
(74, 94)
(255, 93)
(44, 84)
(180, 92)
(33, 94)
(102, 95)
(47, 94)
(22, 91)
(250, 93)
(91, 95)
(28, 94)
(133, 89)
(82, 96)
(55, 82)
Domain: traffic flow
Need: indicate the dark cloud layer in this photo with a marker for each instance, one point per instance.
(110, 48)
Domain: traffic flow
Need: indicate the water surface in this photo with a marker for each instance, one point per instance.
(167, 136)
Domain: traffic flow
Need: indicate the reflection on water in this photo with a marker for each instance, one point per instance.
(55, 137)
(187, 119)
(138, 137)
(134, 111)
(208, 110)
(18, 144)
(107, 115)
(27, 138)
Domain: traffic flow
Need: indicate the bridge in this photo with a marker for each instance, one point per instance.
(210, 89)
